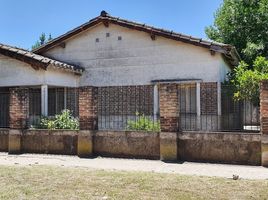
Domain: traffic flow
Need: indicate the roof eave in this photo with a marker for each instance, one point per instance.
(31, 61)
(37, 61)
(78, 72)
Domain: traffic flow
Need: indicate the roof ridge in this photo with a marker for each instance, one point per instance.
(106, 18)
(167, 30)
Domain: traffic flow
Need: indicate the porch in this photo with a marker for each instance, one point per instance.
(23, 107)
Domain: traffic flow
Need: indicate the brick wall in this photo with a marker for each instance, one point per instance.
(88, 116)
(208, 98)
(264, 107)
(19, 108)
(169, 107)
(125, 100)
(264, 122)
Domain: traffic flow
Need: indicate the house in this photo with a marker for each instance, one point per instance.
(119, 58)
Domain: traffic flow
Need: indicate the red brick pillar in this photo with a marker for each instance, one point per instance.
(88, 105)
(19, 108)
(169, 107)
(209, 98)
(264, 121)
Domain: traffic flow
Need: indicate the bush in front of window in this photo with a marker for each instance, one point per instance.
(65, 120)
(143, 123)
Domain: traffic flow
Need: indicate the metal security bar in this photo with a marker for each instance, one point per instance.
(55, 101)
(58, 100)
(121, 106)
(63, 98)
(187, 106)
(234, 115)
(71, 100)
(4, 107)
(34, 106)
(238, 115)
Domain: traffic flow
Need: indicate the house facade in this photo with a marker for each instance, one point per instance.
(125, 64)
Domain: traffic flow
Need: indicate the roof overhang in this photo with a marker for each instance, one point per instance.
(21, 57)
(37, 61)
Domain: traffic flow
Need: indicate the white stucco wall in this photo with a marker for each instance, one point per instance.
(16, 73)
(224, 69)
(136, 59)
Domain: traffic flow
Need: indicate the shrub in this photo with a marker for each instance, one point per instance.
(62, 121)
(143, 123)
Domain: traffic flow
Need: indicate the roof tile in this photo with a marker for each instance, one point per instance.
(42, 59)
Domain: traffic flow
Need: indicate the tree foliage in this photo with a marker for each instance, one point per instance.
(244, 24)
(42, 40)
(247, 81)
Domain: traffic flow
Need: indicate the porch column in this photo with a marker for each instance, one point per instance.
(169, 107)
(88, 108)
(169, 121)
(156, 102)
(198, 106)
(264, 122)
(44, 100)
(65, 98)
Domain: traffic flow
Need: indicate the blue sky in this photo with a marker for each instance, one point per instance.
(22, 21)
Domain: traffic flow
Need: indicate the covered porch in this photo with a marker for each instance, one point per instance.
(37, 101)
(32, 86)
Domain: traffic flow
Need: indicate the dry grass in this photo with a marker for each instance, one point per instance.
(42, 182)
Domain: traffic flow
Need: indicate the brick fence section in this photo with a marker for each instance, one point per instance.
(88, 105)
(264, 121)
(169, 107)
(264, 107)
(208, 98)
(19, 108)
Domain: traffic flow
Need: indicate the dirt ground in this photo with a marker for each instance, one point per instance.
(185, 168)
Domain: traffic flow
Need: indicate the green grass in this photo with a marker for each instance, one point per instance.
(42, 182)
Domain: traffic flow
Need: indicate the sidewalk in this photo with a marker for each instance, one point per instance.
(186, 168)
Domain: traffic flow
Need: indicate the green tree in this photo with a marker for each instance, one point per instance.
(49, 37)
(244, 24)
(247, 80)
(42, 40)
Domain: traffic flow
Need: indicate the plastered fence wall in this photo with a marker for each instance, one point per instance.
(4, 139)
(229, 147)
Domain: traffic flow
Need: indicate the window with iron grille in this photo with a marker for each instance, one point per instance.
(55, 101)
(4, 107)
(35, 102)
(72, 101)
(187, 106)
(187, 97)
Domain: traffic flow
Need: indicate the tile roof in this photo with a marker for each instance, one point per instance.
(35, 60)
(228, 51)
